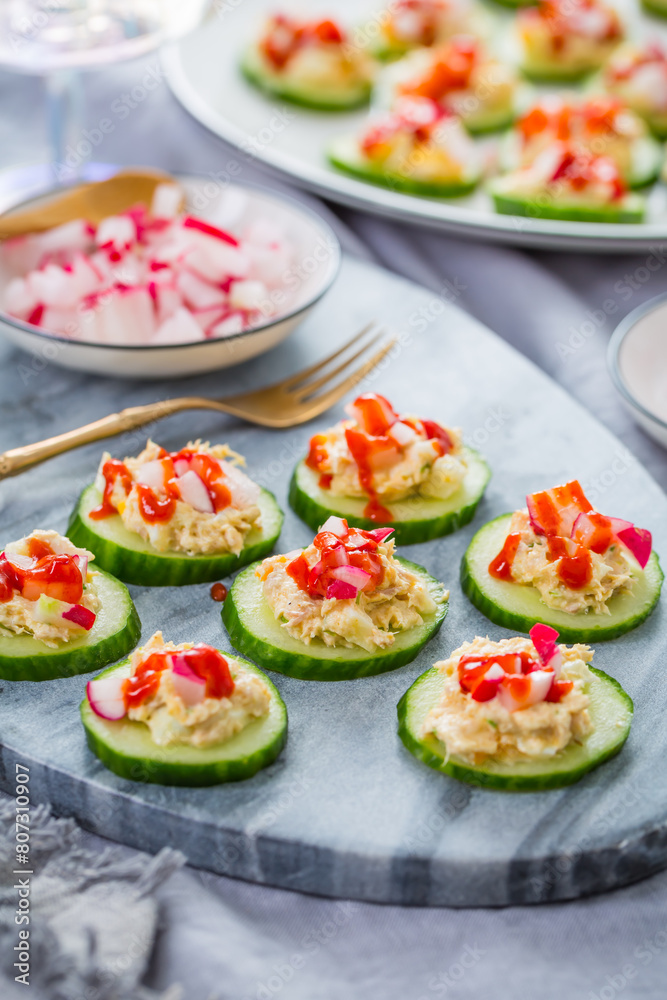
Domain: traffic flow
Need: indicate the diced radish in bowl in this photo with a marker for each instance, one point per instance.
(193, 491)
(167, 201)
(249, 295)
(19, 298)
(128, 309)
(72, 237)
(105, 697)
(181, 328)
(199, 294)
(228, 326)
(117, 230)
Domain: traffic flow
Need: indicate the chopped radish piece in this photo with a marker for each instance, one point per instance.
(181, 328)
(402, 433)
(248, 295)
(243, 490)
(117, 230)
(77, 235)
(190, 222)
(340, 590)
(167, 200)
(187, 684)
(381, 534)
(192, 489)
(639, 541)
(229, 326)
(521, 691)
(19, 298)
(105, 696)
(154, 474)
(543, 638)
(81, 616)
(130, 309)
(199, 294)
(336, 525)
(353, 575)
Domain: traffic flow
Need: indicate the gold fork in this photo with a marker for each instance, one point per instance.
(292, 401)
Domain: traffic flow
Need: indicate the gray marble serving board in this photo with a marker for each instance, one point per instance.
(346, 811)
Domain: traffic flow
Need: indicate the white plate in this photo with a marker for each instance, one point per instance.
(202, 71)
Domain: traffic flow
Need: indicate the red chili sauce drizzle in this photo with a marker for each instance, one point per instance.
(207, 663)
(153, 507)
(360, 549)
(368, 441)
(53, 575)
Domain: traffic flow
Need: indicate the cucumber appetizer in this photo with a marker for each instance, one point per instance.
(637, 76)
(379, 467)
(419, 147)
(459, 75)
(561, 562)
(564, 182)
(563, 42)
(344, 607)
(184, 715)
(311, 63)
(656, 7)
(516, 715)
(597, 125)
(58, 616)
(412, 24)
(164, 520)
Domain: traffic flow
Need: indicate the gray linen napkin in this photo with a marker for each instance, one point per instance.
(93, 915)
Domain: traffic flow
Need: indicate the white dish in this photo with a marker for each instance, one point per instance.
(638, 365)
(316, 263)
(202, 71)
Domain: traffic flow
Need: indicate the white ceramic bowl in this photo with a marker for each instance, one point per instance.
(638, 364)
(316, 262)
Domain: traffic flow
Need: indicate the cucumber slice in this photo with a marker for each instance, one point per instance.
(518, 607)
(655, 7)
(126, 747)
(278, 85)
(415, 519)
(553, 73)
(647, 158)
(610, 710)
(485, 122)
(344, 155)
(133, 559)
(116, 631)
(255, 632)
(631, 209)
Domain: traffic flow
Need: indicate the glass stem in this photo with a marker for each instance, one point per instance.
(64, 92)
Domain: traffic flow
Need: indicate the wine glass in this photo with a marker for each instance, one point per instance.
(58, 39)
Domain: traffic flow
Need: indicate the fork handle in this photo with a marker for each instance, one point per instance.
(17, 459)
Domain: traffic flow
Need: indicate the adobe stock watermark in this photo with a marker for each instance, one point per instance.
(644, 954)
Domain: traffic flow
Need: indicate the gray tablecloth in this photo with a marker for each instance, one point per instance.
(232, 941)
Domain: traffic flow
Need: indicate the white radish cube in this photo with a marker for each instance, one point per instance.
(71, 237)
(199, 294)
(119, 230)
(402, 433)
(215, 260)
(167, 201)
(193, 491)
(128, 316)
(181, 328)
(249, 295)
(227, 327)
(207, 318)
(152, 474)
(64, 321)
(19, 298)
(244, 492)
(168, 300)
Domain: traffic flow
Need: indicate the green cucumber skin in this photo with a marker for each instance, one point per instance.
(155, 569)
(315, 514)
(520, 623)
(557, 75)
(489, 124)
(165, 772)
(506, 205)
(54, 664)
(308, 667)
(307, 101)
(651, 7)
(425, 189)
(503, 782)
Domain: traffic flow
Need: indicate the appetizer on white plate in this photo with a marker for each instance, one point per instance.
(637, 75)
(413, 24)
(564, 41)
(314, 63)
(600, 125)
(419, 147)
(563, 182)
(518, 715)
(461, 75)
